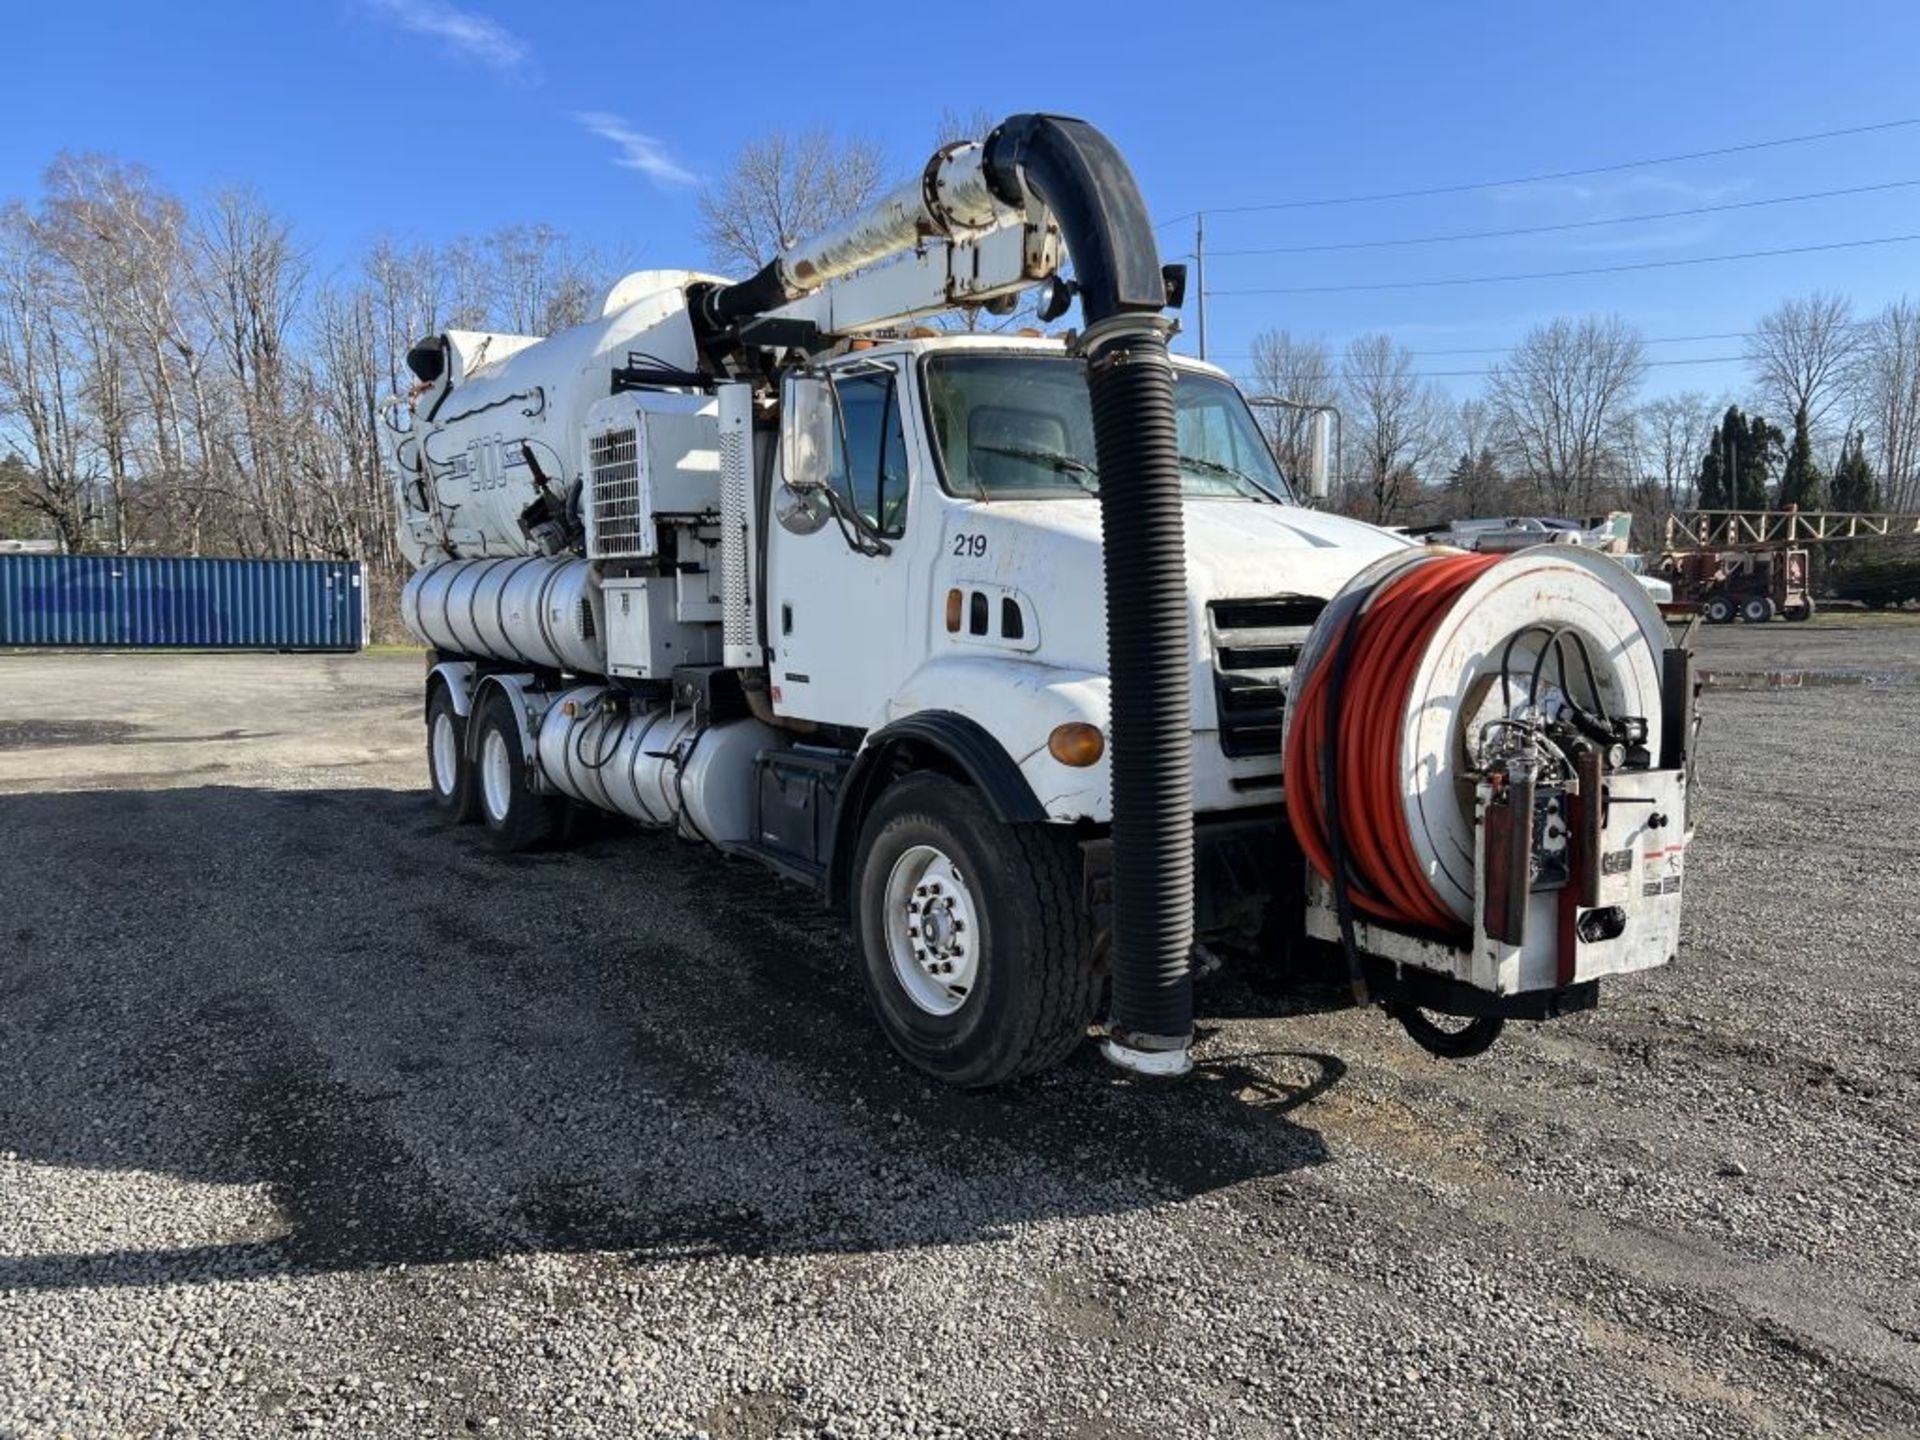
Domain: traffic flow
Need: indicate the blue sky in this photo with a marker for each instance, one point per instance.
(430, 118)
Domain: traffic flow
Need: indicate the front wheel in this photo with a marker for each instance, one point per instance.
(1802, 611)
(977, 947)
(516, 817)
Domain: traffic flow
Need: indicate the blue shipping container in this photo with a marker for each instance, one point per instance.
(154, 601)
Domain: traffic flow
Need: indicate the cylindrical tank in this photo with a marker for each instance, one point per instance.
(526, 609)
(653, 765)
(499, 429)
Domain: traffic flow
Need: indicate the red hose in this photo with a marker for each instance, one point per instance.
(1393, 632)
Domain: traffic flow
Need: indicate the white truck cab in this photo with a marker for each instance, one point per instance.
(970, 464)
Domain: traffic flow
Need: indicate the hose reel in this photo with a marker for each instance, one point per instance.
(1453, 727)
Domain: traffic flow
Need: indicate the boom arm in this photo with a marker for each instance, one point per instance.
(939, 275)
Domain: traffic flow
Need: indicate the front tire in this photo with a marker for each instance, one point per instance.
(977, 948)
(516, 817)
(449, 772)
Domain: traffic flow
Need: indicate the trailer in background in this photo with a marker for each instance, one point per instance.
(181, 603)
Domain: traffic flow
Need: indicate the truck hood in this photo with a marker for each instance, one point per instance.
(1239, 549)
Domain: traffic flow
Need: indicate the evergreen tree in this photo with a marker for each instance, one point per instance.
(1475, 485)
(1737, 469)
(1854, 485)
(1801, 483)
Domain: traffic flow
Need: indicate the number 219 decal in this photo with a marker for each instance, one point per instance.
(972, 546)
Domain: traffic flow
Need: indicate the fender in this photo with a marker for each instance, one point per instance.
(963, 743)
(528, 703)
(458, 677)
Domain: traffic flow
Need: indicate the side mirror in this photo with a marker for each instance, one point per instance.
(802, 511)
(807, 432)
(1320, 453)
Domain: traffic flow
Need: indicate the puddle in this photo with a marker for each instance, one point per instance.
(1791, 679)
(52, 734)
(47, 734)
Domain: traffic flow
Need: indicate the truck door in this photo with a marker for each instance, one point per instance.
(848, 599)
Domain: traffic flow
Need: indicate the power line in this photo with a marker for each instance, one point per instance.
(1463, 374)
(1458, 375)
(1463, 188)
(1503, 349)
(1458, 280)
(1567, 225)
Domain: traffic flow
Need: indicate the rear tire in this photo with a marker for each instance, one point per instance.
(449, 772)
(978, 950)
(1756, 610)
(516, 817)
(1718, 611)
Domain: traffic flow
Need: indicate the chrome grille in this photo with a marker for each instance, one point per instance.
(1255, 645)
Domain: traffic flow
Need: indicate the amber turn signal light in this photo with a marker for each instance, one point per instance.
(953, 612)
(1077, 743)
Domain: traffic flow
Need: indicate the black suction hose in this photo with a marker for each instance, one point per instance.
(1149, 657)
(1077, 174)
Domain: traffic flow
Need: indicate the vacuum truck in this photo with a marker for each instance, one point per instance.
(1019, 650)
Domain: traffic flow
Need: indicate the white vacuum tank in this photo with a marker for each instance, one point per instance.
(499, 429)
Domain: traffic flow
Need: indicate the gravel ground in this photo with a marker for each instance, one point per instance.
(316, 1115)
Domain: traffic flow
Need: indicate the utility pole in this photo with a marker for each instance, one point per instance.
(1200, 273)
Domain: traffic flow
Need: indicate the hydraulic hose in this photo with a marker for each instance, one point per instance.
(1346, 777)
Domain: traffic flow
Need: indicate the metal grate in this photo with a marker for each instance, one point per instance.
(737, 629)
(1255, 646)
(620, 524)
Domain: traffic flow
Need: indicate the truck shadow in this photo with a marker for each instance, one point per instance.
(405, 1048)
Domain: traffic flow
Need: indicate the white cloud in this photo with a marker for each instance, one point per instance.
(636, 151)
(470, 36)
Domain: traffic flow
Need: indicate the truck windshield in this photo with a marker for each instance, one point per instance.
(1019, 427)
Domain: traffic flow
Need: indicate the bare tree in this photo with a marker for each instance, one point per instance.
(1300, 370)
(251, 280)
(1393, 422)
(782, 188)
(1558, 401)
(1471, 427)
(1801, 354)
(41, 392)
(1887, 374)
(1674, 429)
(954, 126)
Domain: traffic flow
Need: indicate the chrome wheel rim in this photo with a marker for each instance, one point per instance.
(933, 931)
(446, 754)
(496, 775)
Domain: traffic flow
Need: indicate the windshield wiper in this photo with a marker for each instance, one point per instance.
(1215, 467)
(1083, 473)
